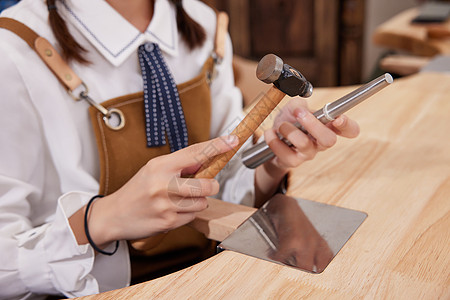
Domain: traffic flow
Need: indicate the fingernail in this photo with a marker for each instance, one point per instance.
(300, 113)
(232, 140)
(339, 122)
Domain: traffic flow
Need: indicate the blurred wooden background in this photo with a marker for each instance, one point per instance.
(321, 38)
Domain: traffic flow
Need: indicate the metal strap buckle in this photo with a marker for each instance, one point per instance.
(113, 117)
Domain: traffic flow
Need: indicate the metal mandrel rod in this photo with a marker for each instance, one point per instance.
(260, 153)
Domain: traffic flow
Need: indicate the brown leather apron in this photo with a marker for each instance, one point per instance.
(123, 151)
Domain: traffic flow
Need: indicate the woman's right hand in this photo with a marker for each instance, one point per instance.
(158, 198)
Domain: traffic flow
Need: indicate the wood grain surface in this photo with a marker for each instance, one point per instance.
(397, 171)
(403, 64)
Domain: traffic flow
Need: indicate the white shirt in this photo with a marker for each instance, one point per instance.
(49, 162)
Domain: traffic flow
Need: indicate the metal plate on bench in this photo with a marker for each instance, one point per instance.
(295, 232)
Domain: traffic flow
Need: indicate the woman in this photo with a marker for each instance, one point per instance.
(49, 169)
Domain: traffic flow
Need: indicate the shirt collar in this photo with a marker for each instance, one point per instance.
(113, 36)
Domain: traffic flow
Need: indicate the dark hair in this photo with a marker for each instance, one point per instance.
(70, 48)
(192, 33)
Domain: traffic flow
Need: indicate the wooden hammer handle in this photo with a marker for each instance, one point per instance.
(213, 166)
(243, 131)
(221, 34)
(219, 48)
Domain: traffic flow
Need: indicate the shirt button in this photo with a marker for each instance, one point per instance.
(149, 47)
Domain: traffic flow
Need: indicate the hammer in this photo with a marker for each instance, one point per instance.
(260, 153)
(286, 81)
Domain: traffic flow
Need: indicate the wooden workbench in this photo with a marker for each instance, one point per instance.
(397, 171)
(400, 34)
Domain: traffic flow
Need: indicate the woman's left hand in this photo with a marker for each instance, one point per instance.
(319, 138)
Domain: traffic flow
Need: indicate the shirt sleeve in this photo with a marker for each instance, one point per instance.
(51, 261)
(236, 180)
(39, 253)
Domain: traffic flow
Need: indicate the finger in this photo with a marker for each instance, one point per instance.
(287, 156)
(189, 205)
(286, 114)
(324, 136)
(184, 218)
(199, 153)
(191, 170)
(192, 187)
(346, 127)
(301, 141)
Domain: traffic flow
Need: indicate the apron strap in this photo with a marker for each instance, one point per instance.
(46, 52)
(67, 76)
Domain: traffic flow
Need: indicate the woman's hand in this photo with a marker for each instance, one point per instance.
(158, 198)
(305, 146)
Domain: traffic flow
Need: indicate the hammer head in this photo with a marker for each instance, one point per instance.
(271, 69)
